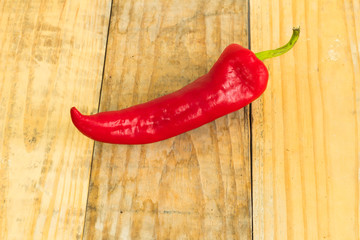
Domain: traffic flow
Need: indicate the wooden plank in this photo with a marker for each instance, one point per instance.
(306, 125)
(52, 55)
(193, 186)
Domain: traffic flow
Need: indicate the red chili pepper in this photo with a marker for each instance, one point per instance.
(236, 79)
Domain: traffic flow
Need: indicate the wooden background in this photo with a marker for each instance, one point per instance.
(285, 167)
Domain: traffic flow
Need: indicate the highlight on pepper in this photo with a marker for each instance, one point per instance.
(236, 79)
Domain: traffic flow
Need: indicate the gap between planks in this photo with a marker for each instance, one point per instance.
(101, 85)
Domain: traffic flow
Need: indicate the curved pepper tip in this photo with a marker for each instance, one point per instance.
(75, 114)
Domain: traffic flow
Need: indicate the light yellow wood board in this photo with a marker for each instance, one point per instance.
(306, 125)
(193, 186)
(51, 57)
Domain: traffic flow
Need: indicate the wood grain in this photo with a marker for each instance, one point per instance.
(51, 57)
(306, 125)
(193, 186)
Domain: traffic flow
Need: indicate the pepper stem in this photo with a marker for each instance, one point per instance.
(280, 51)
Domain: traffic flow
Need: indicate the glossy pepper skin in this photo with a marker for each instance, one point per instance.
(236, 79)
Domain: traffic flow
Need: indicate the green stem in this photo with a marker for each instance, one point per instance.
(279, 51)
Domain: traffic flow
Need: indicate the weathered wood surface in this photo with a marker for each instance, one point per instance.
(51, 57)
(306, 125)
(305, 128)
(196, 185)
